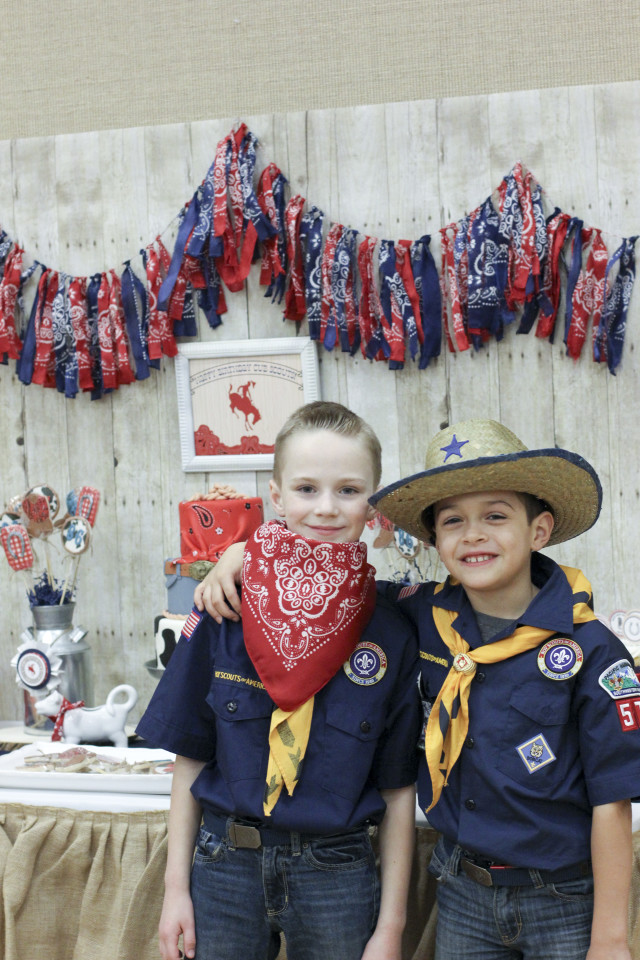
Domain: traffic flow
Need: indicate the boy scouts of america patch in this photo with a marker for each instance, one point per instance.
(367, 664)
(535, 753)
(620, 680)
(560, 659)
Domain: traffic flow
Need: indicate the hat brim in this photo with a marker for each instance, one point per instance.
(562, 479)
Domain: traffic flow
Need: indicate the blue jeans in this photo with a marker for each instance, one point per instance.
(548, 922)
(322, 893)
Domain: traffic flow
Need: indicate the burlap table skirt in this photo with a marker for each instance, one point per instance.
(80, 885)
(85, 885)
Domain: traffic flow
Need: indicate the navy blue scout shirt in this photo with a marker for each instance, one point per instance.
(210, 705)
(540, 752)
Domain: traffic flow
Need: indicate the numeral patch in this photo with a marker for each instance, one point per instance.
(629, 714)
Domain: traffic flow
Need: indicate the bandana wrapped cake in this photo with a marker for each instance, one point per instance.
(209, 524)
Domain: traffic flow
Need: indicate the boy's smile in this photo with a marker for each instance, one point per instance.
(326, 481)
(485, 540)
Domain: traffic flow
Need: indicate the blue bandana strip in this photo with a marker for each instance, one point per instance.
(609, 339)
(425, 277)
(311, 240)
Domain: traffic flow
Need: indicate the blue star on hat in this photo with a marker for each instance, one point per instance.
(453, 448)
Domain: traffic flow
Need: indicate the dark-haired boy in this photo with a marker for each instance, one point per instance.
(533, 733)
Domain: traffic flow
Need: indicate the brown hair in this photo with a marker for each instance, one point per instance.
(326, 415)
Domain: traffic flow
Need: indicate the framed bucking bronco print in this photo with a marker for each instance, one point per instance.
(234, 395)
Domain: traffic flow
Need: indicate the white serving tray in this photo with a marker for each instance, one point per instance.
(148, 783)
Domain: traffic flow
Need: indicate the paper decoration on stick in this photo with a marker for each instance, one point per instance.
(17, 546)
(87, 504)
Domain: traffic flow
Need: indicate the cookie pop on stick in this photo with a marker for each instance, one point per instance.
(17, 548)
(76, 534)
(87, 505)
(36, 511)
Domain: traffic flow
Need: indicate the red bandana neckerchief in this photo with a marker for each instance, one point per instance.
(305, 604)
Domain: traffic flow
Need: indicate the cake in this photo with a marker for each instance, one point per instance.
(208, 525)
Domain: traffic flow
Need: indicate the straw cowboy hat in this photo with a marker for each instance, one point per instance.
(477, 455)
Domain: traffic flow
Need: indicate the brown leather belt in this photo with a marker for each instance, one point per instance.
(505, 876)
(244, 836)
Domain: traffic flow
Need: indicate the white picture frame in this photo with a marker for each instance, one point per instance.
(221, 383)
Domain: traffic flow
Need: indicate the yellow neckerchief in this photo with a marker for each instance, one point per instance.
(288, 738)
(445, 733)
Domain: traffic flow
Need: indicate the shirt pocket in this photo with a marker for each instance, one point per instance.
(242, 718)
(537, 743)
(350, 739)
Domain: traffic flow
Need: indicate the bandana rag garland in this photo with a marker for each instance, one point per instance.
(383, 298)
(506, 260)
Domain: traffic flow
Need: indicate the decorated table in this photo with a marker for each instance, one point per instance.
(83, 883)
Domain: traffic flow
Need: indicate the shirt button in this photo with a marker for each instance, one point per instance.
(470, 804)
(232, 706)
(365, 726)
(481, 677)
(470, 743)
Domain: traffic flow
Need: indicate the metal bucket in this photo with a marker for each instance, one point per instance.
(53, 626)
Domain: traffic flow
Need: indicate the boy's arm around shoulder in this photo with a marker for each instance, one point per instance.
(397, 839)
(184, 820)
(611, 853)
(218, 593)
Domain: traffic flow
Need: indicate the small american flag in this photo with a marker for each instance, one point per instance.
(405, 592)
(191, 623)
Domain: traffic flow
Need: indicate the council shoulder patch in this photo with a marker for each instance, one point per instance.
(535, 753)
(560, 658)
(620, 680)
(367, 664)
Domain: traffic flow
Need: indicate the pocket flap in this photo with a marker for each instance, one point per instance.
(238, 700)
(547, 703)
(357, 722)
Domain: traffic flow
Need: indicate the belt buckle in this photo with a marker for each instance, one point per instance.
(244, 836)
(479, 874)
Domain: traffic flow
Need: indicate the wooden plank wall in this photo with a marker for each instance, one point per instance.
(87, 202)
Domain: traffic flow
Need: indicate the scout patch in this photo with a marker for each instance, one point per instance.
(367, 664)
(560, 659)
(620, 680)
(535, 753)
(629, 714)
(190, 624)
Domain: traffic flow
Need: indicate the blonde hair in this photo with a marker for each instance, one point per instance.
(326, 415)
